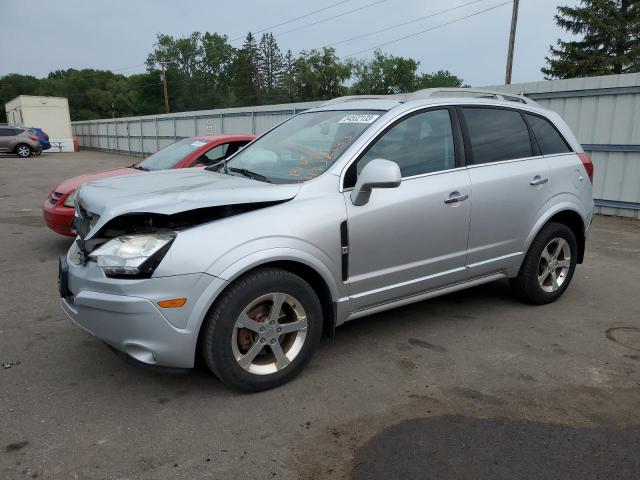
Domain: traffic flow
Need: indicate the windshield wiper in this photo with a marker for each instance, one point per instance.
(138, 167)
(250, 174)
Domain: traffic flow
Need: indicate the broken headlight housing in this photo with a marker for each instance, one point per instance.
(70, 201)
(136, 255)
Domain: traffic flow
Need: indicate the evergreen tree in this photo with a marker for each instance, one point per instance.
(270, 64)
(247, 81)
(610, 40)
(288, 80)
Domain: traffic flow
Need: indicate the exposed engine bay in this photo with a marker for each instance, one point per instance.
(144, 222)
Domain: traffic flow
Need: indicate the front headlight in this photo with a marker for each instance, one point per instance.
(132, 254)
(70, 201)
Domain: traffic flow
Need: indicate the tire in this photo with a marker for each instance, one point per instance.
(23, 150)
(549, 265)
(241, 324)
(39, 152)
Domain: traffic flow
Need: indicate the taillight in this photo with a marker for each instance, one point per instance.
(588, 165)
(33, 138)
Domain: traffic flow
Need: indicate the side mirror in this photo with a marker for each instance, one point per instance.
(377, 173)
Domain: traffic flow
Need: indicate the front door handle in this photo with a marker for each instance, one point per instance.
(456, 197)
(538, 180)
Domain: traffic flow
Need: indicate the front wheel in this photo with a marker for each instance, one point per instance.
(263, 330)
(548, 266)
(23, 150)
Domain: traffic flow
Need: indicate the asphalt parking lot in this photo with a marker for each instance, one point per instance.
(471, 385)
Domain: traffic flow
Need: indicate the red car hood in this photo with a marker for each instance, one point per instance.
(71, 184)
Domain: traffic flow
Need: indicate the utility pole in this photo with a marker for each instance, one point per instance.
(512, 41)
(163, 75)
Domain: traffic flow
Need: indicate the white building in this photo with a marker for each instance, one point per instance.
(51, 114)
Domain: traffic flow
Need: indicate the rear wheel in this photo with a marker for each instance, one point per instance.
(23, 150)
(263, 330)
(548, 266)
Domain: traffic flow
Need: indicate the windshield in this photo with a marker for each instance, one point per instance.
(303, 147)
(169, 156)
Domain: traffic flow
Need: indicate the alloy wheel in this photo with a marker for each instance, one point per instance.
(24, 151)
(554, 264)
(269, 333)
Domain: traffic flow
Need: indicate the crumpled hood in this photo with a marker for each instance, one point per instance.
(172, 191)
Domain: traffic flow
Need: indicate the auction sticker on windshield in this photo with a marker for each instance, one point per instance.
(198, 144)
(359, 118)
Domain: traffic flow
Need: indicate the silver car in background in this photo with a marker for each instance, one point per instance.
(19, 141)
(342, 211)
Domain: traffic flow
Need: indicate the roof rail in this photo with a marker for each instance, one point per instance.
(350, 98)
(440, 93)
(467, 93)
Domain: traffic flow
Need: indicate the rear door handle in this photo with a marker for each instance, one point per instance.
(538, 180)
(456, 197)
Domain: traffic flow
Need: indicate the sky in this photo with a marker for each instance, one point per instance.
(119, 34)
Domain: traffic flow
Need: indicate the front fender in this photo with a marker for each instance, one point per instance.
(323, 266)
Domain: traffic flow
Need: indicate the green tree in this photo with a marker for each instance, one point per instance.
(246, 81)
(13, 85)
(270, 66)
(288, 81)
(441, 78)
(321, 75)
(384, 74)
(198, 69)
(609, 43)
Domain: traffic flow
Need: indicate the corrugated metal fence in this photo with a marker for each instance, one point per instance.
(602, 111)
(148, 134)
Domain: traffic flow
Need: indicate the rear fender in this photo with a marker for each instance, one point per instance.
(560, 204)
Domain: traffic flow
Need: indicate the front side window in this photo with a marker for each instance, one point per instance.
(422, 143)
(549, 140)
(169, 156)
(496, 134)
(303, 147)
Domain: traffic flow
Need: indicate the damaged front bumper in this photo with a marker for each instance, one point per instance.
(125, 313)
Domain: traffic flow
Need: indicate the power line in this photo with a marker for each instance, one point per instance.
(294, 19)
(428, 29)
(419, 19)
(330, 18)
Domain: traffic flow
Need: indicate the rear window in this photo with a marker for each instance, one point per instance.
(496, 134)
(549, 139)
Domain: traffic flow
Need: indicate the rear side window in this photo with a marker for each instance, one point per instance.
(549, 139)
(217, 152)
(6, 132)
(496, 134)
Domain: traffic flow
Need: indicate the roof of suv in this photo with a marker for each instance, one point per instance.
(426, 97)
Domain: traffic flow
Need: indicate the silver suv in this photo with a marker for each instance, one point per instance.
(356, 207)
(19, 141)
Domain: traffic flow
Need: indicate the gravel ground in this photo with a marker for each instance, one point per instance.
(471, 385)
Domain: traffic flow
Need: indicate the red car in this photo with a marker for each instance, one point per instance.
(58, 208)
